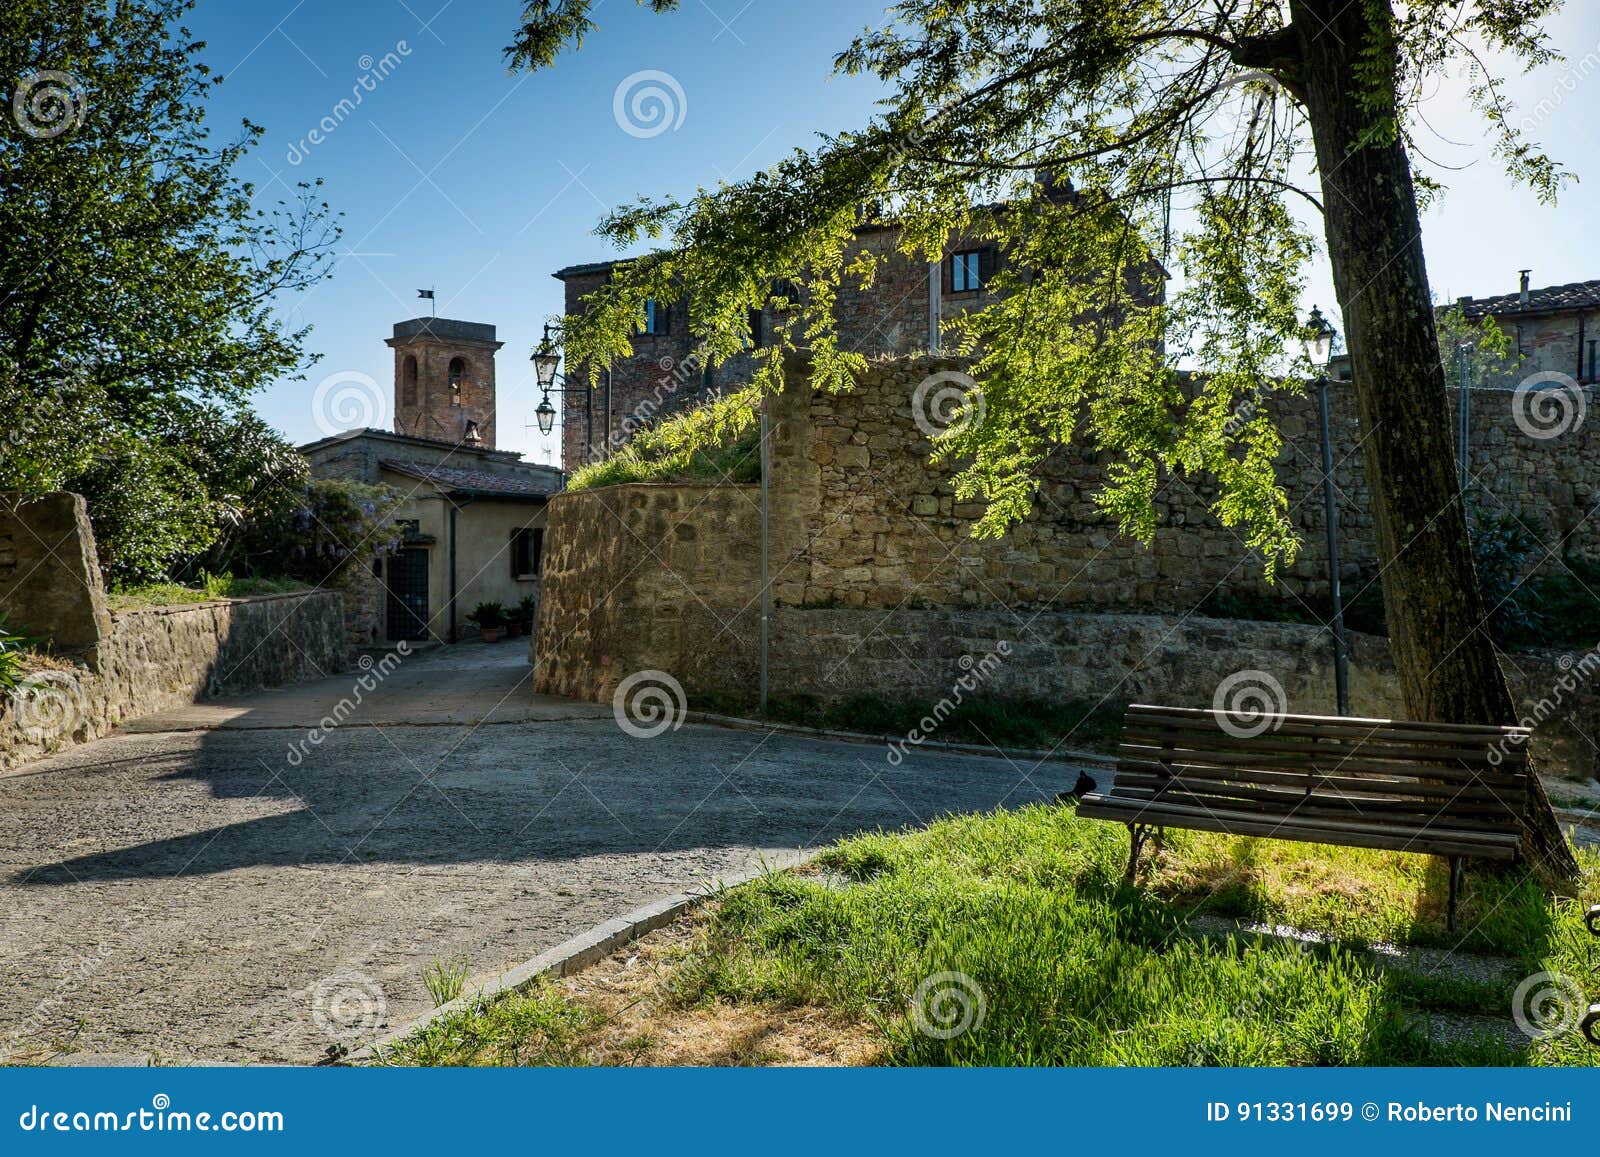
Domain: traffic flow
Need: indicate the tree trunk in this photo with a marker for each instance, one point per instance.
(1438, 628)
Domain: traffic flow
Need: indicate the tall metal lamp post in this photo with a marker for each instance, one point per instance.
(1319, 348)
(546, 363)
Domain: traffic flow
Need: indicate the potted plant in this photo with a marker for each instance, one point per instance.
(527, 609)
(488, 618)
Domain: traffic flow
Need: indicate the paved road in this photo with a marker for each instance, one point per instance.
(211, 885)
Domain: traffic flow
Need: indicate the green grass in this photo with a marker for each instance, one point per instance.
(147, 595)
(716, 441)
(1027, 914)
(445, 979)
(1004, 722)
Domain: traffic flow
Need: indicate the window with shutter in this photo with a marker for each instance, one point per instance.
(966, 271)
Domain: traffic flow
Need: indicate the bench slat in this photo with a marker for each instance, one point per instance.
(1510, 795)
(1442, 842)
(1288, 804)
(1287, 795)
(1270, 743)
(1278, 761)
(1335, 725)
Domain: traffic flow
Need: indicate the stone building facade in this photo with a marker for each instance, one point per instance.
(899, 314)
(1555, 329)
(473, 517)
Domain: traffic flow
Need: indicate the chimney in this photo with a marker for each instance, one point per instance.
(1522, 293)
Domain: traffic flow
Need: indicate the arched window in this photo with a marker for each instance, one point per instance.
(408, 381)
(458, 371)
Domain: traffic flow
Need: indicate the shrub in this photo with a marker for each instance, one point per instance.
(11, 648)
(332, 523)
(488, 615)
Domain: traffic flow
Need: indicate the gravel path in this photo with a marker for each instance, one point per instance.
(189, 891)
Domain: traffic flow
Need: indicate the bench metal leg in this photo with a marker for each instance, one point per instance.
(1591, 1025)
(1457, 867)
(1137, 835)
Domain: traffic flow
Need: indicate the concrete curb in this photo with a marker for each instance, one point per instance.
(578, 953)
(1058, 755)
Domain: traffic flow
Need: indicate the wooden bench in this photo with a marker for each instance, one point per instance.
(1442, 789)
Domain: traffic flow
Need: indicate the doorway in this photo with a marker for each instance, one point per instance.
(407, 616)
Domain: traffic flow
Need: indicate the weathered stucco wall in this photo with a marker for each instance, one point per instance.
(160, 658)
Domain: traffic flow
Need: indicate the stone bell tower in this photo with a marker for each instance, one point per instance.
(444, 380)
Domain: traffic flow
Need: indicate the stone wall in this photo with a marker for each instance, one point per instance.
(863, 519)
(879, 588)
(50, 585)
(649, 577)
(164, 657)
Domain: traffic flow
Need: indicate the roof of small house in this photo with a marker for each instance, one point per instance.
(464, 480)
(1551, 299)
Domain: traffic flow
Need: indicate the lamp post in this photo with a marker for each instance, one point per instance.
(546, 363)
(1319, 348)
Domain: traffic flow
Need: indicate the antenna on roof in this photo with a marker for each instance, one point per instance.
(428, 293)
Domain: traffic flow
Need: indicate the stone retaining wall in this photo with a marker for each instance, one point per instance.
(649, 577)
(164, 657)
(665, 578)
(862, 518)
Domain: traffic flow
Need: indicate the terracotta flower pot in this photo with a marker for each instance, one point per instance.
(490, 634)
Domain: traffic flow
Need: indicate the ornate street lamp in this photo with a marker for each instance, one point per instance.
(1319, 349)
(546, 365)
(545, 414)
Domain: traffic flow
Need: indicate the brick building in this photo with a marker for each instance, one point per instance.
(473, 517)
(899, 314)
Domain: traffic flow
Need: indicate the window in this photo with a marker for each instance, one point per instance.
(527, 552)
(458, 371)
(657, 317)
(408, 381)
(966, 271)
(1591, 360)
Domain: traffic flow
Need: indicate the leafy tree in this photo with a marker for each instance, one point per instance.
(1183, 126)
(137, 280)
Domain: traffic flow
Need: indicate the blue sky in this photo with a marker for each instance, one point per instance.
(454, 175)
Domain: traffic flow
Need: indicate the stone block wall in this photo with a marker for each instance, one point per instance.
(863, 518)
(50, 585)
(154, 659)
(649, 577)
